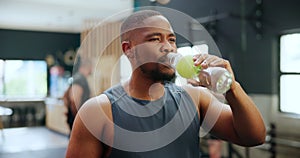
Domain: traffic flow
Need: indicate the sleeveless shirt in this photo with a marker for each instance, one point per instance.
(166, 128)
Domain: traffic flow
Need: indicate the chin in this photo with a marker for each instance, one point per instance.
(167, 70)
(164, 76)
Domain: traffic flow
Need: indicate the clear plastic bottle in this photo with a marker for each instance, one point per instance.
(217, 79)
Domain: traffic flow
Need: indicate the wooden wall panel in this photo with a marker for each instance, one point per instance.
(100, 43)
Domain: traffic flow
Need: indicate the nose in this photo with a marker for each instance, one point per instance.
(167, 47)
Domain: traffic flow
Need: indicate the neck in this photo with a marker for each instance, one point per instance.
(142, 87)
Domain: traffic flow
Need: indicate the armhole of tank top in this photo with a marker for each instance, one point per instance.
(194, 94)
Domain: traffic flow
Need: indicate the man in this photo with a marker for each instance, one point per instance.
(79, 91)
(148, 116)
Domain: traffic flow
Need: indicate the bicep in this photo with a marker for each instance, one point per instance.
(82, 142)
(91, 129)
(217, 118)
(224, 127)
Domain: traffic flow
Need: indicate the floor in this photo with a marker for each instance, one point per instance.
(32, 142)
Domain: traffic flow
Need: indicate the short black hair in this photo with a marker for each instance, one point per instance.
(136, 19)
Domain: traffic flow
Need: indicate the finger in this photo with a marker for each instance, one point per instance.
(193, 82)
(208, 61)
(204, 64)
(226, 64)
(218, 62)
(215, 61)
(200, 58)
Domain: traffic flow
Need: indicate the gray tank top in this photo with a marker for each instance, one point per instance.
(164, 128)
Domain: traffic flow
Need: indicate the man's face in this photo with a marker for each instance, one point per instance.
(151, 45)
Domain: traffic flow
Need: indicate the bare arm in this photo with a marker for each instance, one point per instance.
(245, 113)
(83, 143)
(91, 128)
(239, 122)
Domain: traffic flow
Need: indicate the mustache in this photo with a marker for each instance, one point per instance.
(163, 59)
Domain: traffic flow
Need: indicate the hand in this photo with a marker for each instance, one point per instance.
(204, 80)
(205, 61)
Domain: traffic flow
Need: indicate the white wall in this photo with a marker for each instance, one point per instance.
(269, 107)
(287, 127)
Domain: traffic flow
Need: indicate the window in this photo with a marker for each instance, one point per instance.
(23, 79)
(290, 73)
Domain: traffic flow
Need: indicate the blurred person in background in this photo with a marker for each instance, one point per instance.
(79, 90)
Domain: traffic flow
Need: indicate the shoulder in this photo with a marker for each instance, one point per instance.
(96, 105)
(100, 103)
(78, 78)
(91, 128)
(196, 91)
(95, 114)
(200, 95)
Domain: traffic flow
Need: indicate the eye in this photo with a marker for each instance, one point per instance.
(172, 40)
(154, 39)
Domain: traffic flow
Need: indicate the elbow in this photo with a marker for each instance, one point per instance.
(258, 141)
(262, 139)
(252, 142)
(258, 138)
(262, 136)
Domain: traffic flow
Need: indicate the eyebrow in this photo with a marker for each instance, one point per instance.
(159, 34)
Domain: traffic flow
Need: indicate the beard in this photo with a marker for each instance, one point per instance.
(158, 75)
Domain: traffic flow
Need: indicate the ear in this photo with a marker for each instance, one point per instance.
(126, 47)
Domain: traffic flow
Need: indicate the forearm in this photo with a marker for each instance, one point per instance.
(247, 120)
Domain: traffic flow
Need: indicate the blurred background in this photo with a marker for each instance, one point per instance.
(40, 40)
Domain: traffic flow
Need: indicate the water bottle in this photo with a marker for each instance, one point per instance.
(217, 79)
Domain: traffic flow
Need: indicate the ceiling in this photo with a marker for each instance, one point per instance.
(58, 15)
